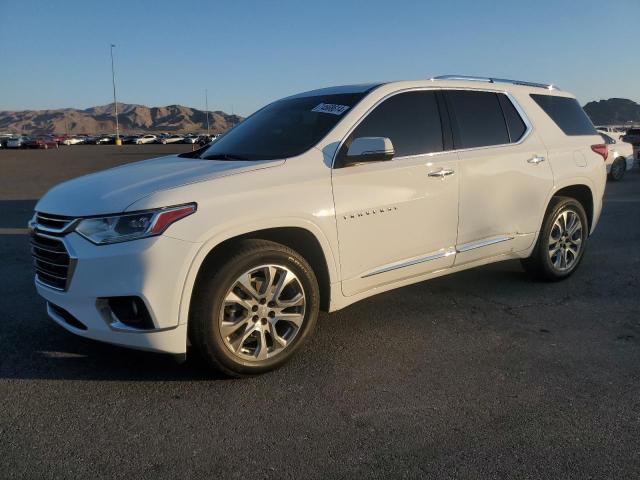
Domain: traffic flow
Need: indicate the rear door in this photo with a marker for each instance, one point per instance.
(505, 178)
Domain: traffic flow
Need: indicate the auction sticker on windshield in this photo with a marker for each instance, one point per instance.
(331, 108)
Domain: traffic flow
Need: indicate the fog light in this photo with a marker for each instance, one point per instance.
(131, 311)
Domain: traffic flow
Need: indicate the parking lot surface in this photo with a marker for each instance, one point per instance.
(480, 374)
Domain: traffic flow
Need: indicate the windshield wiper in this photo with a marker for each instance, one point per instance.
(224, 156)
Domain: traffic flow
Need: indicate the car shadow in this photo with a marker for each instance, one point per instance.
(37, 348)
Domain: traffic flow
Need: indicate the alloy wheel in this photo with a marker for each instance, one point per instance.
(565, 240)
(262, 312)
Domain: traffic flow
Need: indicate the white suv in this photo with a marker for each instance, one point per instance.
(317, 201)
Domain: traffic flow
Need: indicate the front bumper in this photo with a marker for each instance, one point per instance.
(153, 269)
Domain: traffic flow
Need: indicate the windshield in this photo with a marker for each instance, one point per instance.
(285, 128)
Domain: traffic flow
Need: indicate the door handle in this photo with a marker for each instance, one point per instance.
(536, 160)
(443, 172)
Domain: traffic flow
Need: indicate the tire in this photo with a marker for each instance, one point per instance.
(239, 333)
(618, 169)
(553, 262)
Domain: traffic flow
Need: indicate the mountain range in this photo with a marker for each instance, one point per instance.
(132, 119)
(180, 119)
(614, 111)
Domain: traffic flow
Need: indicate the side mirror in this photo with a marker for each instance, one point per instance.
(369, 149)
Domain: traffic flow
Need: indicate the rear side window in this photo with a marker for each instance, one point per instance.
(515, 124)
(566, 113)
(478, 119)
(411, 120)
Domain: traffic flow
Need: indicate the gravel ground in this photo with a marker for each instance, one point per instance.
(480, 374)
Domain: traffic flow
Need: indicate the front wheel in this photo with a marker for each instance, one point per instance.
(250, 314)
(561, 242)
(618, 169)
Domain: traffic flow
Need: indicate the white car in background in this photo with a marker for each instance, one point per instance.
(620, 158)
(72, 141)
(172, 139)
(146, 139)
(615, 132)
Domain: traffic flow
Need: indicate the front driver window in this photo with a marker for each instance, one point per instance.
(411, 120)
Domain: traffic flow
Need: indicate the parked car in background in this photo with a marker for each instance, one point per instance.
(43, 142)
(4, 138)
(16, 142)
(190, 139)
(632, 136)
(102, 139)
(172, 139)
(615, 132)
(72, 141)
(206, 139)
(146, 139)
(317, 200)
(620, 158)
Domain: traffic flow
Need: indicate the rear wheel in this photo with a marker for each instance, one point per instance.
(251, 314)
(618, 169)
(561, 242)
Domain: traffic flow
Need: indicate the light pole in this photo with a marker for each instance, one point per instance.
(115, 101)
(206, 108)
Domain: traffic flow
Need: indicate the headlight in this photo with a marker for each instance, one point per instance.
(131, 226)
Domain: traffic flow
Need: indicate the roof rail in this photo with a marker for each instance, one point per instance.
(495, 80)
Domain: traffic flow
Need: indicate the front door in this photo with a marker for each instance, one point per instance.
(397, 219)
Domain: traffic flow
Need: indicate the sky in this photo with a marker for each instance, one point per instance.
(55, 54)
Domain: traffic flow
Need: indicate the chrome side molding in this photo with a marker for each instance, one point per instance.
(482, 243)
(440, 254)
(415, 261)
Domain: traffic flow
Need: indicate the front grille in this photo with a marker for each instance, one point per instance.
(52, 223)
(51, 258)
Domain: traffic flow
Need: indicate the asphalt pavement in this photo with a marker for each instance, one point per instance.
(480, 374)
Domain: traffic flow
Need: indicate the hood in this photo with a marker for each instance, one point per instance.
(113, 190)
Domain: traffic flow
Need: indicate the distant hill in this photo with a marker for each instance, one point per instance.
(613, 111)
(132, 119)
(179, 119)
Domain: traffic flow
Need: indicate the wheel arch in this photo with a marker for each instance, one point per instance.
(312, 245)
(583, 194)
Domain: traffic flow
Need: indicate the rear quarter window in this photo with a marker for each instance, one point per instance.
(515, 124)
(566, 114)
